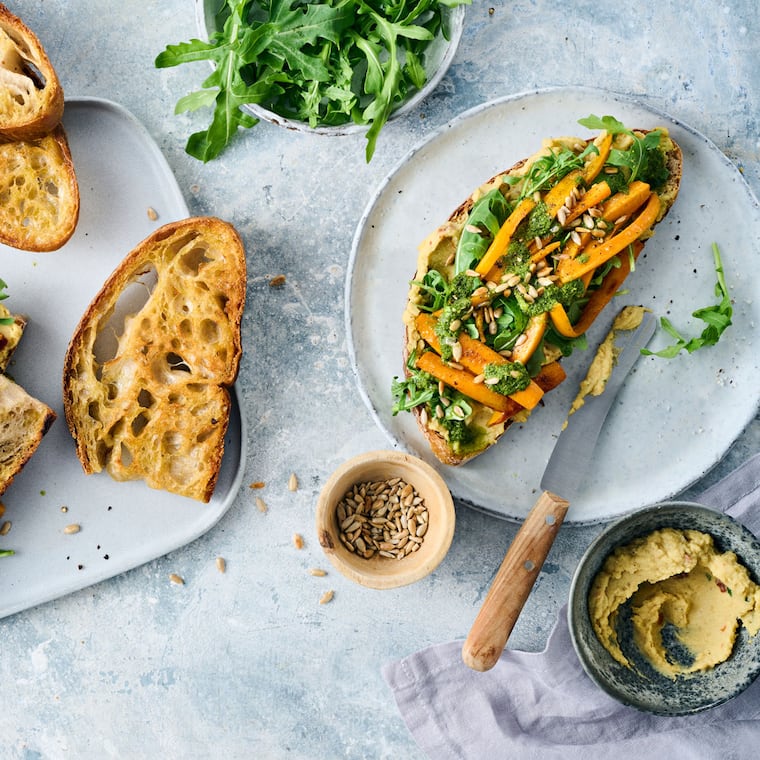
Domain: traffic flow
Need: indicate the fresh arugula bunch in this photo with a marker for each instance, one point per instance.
(717, 317)
(323, 62)
(3, 296)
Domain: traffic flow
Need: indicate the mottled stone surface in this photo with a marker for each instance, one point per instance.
(248, 664)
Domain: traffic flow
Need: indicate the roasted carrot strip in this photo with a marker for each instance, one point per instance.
(539, 254)
(500, 243)
(596, 254)
(595, 165)
(556, 197)
(475, 356)
(534, 332)
(625, 203)
(562, 323)
(550, 376)
(598, 300)
(463, 381)
(593, 197)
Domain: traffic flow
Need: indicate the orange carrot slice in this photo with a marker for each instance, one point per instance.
(596, 254)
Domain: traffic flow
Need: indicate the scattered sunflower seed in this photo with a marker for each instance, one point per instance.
(177, 580)
(221, 564)
(73, 528)
(152, 214)
(298, 540)
(292, 482)
(326, 597)
(277, 281)
(318, 572)
(257, 484)
(5, 528)
(261, 504)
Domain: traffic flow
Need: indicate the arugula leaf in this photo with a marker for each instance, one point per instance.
(608, 123)
(717, 318)
(6, 552)
(548, 170)
(3, 295)
(323, 62)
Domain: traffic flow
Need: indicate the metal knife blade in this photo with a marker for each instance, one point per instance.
(561, 482)
(566, 469)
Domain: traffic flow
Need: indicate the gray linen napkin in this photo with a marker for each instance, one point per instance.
(542, 705)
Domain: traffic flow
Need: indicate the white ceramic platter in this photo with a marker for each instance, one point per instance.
(121, 174)
(674, 419)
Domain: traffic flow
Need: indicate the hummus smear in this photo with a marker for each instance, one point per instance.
(606, 356)
(687, 600)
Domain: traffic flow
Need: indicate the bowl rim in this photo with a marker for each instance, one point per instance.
(582, 569)
(456, 18)
(402, 576)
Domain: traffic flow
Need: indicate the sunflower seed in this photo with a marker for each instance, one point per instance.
(393, 512)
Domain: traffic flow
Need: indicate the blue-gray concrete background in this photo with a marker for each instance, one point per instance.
(248, 664)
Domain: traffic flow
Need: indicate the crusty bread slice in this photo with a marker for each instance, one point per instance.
(39, 193)
(23, 422)
(31, 96)
(145, 385)
(437, 251)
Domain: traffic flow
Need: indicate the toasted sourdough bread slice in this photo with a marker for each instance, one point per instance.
(31, 97)
(39, 193)
(438, 251)
(154, 404)
(23, 422)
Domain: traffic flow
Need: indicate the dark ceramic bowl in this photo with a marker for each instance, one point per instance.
(644, 688)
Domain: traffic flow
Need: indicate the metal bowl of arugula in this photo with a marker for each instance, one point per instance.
(332, 67)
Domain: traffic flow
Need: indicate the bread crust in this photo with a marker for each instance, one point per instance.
(31, 96)
(39, 191)
(451, 228)
(157, 405)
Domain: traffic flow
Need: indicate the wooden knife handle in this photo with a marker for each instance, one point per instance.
(513, 582)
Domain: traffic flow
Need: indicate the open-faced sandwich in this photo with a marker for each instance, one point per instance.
(509, 285)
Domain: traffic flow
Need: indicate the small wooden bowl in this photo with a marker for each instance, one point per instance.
(378, 571)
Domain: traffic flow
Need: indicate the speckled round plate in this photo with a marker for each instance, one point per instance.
(648, 690)
(674, 419)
